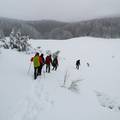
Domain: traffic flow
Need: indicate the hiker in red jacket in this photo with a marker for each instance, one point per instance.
(42, 62)
(48, 61)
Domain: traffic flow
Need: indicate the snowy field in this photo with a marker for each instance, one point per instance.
(91, 93)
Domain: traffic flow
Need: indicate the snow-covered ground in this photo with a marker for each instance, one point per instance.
(94, 94)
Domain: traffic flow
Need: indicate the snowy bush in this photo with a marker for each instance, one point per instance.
(4, 43)
(74, 86)
(6, 46)
(3, 40)
(19, 42)
(71, 82)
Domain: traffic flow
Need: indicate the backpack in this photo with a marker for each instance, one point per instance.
(78, 62)
(36, 61)
(48, 60)
(55, 62)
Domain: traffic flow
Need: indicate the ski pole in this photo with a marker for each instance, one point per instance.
(29, 68)
(44, 71)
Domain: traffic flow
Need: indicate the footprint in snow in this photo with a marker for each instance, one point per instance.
(107, 101)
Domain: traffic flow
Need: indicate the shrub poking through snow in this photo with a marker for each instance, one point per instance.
(74, 86)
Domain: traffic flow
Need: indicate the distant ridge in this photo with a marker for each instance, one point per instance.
(108, 27)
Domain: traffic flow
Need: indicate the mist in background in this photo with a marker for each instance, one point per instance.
(62, 10)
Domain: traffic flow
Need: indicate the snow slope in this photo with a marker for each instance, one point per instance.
(96, 98)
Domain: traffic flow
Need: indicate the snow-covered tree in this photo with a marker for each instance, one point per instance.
(12, 39)
(18, 41)
(4, 42)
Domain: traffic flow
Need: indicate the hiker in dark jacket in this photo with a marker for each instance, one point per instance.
(42, 56)
(55, 63)
(77, 64)
(48, 61)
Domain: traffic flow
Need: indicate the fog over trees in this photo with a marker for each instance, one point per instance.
(50, 29)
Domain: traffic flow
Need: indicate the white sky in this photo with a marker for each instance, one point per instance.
(63, 10)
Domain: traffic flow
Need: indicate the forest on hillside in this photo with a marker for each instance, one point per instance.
(51, 29)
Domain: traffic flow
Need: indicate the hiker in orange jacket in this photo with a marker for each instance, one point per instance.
(41, 64)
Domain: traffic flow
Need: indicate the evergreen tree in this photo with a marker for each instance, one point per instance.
(18, 41)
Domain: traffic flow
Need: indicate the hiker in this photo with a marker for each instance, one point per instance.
(77, 64)
(41, 64)
(55, 63)
(48, 61)
(43, 60)
(36, 62)
(88, 64)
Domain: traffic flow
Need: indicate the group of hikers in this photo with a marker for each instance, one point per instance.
(39, 61)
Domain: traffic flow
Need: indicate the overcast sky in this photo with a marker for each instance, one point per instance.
(63, 10)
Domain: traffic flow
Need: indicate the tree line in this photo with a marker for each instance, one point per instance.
(50, 29)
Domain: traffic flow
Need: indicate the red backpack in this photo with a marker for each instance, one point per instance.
(48, 60)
